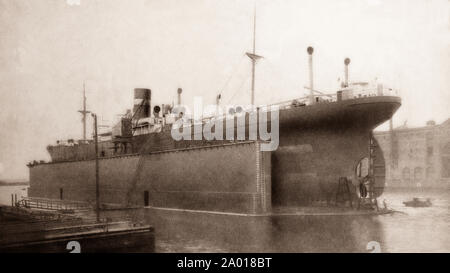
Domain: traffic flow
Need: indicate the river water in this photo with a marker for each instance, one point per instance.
(9, 193)
(407, 230)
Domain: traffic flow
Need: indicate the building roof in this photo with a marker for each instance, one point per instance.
(405, 128)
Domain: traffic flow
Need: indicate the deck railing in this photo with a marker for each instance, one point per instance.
(52, 204)
(344, 94)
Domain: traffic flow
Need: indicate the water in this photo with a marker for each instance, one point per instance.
(15, 190)
(409, 230)
(418, 229)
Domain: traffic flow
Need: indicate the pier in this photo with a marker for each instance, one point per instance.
(45, 225)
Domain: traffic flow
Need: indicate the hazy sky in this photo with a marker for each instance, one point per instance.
(48, 48)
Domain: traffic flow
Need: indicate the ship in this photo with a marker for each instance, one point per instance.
(325, 152)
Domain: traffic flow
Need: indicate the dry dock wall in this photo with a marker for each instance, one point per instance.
(230, 178)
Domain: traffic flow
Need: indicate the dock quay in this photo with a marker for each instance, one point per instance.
(37, 225)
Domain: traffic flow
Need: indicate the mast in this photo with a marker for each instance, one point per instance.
(84, 113)
(97, 176)
(253, 57)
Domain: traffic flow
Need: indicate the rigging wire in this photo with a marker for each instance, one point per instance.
(235, 69)
(275, 72)
(239, 89)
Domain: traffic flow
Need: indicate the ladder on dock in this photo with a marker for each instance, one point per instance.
(343, 193)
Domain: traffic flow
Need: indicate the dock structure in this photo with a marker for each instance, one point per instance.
(122, 179)
(45, 225)
(103, 237)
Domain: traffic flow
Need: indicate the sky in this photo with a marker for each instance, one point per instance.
(49, 48)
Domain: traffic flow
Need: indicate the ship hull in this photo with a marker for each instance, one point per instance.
(318, 145)
(325, 144)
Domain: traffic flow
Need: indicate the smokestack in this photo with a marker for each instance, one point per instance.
(142, 99)
(310, 51)
(179, 95)
(346, 62)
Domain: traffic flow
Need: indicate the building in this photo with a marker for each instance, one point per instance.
(417, 157)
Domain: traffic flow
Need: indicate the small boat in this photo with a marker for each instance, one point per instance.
(418, 202)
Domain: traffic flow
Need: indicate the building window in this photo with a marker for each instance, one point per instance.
(430, 172)
(429, 151)
(394, 164)
(417, 174)
(446, 161)
(446, 167)
(405, 174)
